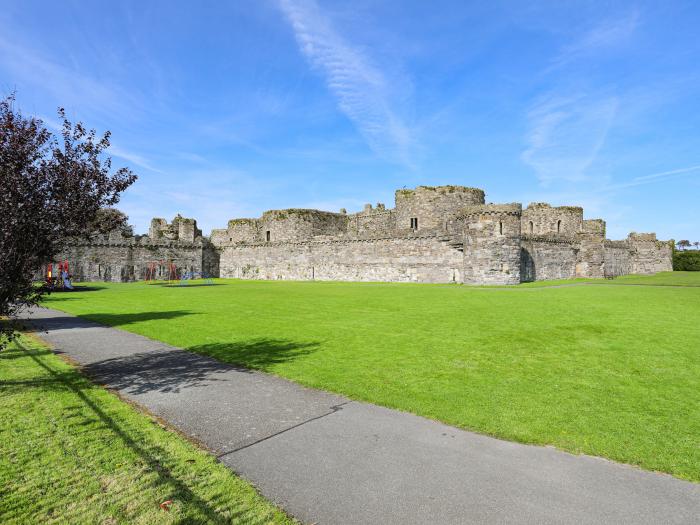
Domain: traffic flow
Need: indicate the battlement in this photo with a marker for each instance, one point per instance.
(514, 209)
(476, 194)
(308, 214)
(643, 237)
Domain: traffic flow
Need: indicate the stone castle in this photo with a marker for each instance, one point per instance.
(444, 234)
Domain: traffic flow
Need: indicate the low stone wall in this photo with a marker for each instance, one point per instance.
(407, 259)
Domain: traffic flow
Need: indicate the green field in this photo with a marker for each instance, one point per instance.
(604, 369)
(71, 452)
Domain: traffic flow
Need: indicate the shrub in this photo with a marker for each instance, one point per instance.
(686, 261)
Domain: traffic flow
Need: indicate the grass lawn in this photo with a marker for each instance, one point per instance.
(661, 279)
(603, 369)
(71, 452)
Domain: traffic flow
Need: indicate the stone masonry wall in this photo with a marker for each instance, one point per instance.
(433, 206)
(372, 222)
(114, 257)
(618, 259)
(546, 258)
(649, 255)
(492, 244)
(128, 261)
(542, 219)
(401, 259)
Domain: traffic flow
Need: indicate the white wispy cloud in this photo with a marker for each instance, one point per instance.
(133, 158)
(130, 156)
(654, 177)
(67, 85)
(361, 89)
(566, 135)
(603, 36)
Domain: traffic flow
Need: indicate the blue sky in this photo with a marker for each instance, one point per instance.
(226, 111)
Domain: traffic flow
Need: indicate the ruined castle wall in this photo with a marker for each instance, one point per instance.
(433, 206)
(594, 227)
(546, 258)
(219, 237)
(103, 262)
(649, 255)
(187, 230)
(492, 244)
(591, 256)
(543, 219)
(128, 260)
(618, 260)
(241, 230)
(372, 222)
(419, 259)
(284, 225)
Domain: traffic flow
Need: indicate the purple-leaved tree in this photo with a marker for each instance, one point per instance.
(52, 188)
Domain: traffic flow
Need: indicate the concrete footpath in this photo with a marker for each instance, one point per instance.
(328, 460)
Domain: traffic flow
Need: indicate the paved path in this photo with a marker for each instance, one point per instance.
(329, 460)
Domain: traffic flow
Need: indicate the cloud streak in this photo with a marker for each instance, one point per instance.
(605, 35)
(362, 91)
(134, 158)
(654, 177)
(566, 135)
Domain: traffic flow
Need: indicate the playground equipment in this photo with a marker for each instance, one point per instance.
(62, 278)
(161, 269)
(188, 277)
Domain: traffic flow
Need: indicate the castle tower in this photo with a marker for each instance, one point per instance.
(492, 243)
(428, 208)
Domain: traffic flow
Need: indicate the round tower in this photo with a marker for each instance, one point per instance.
(429, 208)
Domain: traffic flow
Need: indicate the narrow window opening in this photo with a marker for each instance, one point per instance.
(532, 227)
(267, 236)
(500, 227)
(559, 226)
(414, 223)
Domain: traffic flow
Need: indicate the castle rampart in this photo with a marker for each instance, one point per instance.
(444, 234)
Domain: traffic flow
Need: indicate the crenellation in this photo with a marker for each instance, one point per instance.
(446, 234)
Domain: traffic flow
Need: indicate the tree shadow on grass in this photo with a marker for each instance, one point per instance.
(68, 322)
(189, 285)
(156, 458)
(260, 354)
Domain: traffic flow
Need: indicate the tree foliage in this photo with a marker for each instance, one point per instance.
(686, 261)
(51, 188)
(109, 219)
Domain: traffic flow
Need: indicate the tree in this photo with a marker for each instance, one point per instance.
(697, 245)
(109, 219)
(682, 245)
(51, 188)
